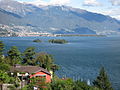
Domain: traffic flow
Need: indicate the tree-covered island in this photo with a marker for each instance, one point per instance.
(37, 40)
(59, 41)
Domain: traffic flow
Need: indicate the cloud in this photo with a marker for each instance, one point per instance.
(113, 12)
(117, 17)
(51, 2)
(91, 3)
(115, 2)
(60, 2)
(38, 2)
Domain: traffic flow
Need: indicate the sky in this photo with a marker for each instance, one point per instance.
(106, 7)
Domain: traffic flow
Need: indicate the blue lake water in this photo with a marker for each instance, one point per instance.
(82, 57)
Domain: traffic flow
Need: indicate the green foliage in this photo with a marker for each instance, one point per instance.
(1, 48)
(102, 81)
(29, 55)
(4, 67)
(60, 41)
(44, 60)
(58, 84)
(78, 85)
(5, 78)
(26, 87)
(66, 84)
(37, 82)
(14, 55)
(12, 87)
(16, 81)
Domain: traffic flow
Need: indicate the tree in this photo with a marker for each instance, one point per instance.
(38, 82)
(29, 54)
(60, 84)
(14, 55)
(1, 51)
(81, 85)
(102, 81)
(1, 48)
(44, 60)
(4, 78)
(4, 67)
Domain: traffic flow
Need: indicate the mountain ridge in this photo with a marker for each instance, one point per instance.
(56, 19)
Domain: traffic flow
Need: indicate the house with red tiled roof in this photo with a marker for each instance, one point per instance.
(26, 72)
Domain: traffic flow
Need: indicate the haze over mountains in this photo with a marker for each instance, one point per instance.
(22, 18)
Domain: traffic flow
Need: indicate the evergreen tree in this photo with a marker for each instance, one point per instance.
(1, 48)
(102, 81)
(14, 55)
(29, 55)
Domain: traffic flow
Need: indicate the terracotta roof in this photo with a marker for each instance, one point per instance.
(28, 69)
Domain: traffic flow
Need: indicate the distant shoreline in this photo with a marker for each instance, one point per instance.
(82, 35)
(60, 35)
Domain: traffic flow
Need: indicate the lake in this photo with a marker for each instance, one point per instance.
(81, 58)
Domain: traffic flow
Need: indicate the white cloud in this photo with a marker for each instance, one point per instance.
(117, 17)
(37, 2)
(91, 3)
(115, 2)
(60, 2)
(114, 12)
(51, 2)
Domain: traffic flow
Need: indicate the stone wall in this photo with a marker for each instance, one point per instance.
(5, 86)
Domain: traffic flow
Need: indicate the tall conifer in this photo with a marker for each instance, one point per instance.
(102, 81)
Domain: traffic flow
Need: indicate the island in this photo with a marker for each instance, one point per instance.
(37, 40)
(59, 41)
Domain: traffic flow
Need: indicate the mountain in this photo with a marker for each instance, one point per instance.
(55, 19)
(15, 7)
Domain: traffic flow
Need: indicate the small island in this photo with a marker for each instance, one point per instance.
(37, 40)
(59, 41)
